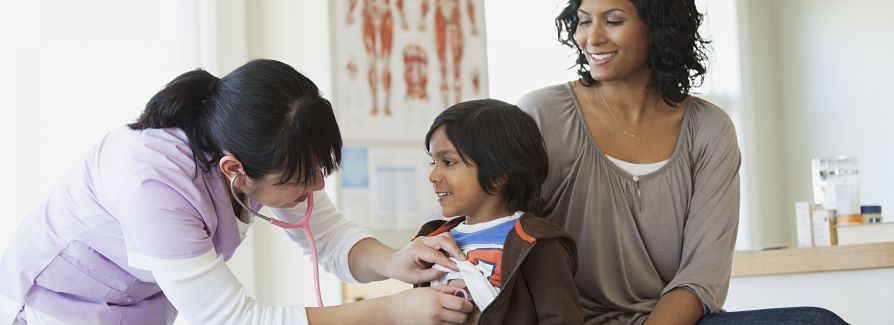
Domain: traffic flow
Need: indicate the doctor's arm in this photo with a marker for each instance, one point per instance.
(433, 305)
(205, 291)
(165, 236)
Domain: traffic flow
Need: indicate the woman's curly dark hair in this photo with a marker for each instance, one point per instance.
(677, 53)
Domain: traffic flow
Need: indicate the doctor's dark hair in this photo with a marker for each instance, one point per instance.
(500, 140)
(677, 53)
(269, 116)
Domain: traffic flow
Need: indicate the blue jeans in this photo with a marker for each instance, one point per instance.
(788, 316)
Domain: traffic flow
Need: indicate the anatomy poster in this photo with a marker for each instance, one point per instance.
(399, 63)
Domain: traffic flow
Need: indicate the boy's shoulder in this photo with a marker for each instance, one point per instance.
(529, 227)
(553, 238)
(436, 227)
(539, 228)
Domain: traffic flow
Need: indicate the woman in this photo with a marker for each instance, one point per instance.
(644, 176)
(140, 230)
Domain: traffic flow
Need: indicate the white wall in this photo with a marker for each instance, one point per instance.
(760, 124)
(523, 53)
(816, 81)
(68, 77)
(836, 86)
(818, 76)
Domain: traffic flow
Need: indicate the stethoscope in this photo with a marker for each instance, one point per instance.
(303, 224)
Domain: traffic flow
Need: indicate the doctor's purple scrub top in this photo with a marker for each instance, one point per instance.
(135, 191)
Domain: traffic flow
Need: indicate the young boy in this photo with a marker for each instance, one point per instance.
(488, 163)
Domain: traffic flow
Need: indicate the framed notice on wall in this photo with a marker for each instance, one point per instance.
(398, 63)
(387, 188)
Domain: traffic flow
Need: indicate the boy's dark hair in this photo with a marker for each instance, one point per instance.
(501, 141)
(269, 116)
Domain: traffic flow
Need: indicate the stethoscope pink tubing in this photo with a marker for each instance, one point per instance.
(303, 224)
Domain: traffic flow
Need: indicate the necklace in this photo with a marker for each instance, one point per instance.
(631, 134)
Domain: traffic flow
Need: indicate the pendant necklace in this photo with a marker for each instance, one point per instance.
(632, 133)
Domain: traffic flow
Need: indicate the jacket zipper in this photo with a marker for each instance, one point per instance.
(511, 274)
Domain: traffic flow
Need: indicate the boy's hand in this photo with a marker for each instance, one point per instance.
(412, 263)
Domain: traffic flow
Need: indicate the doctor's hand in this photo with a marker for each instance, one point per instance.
(412, 263)
(428, 305)
(435, 305)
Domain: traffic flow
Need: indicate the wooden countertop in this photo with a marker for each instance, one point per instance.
(814, 259)
(771, 262)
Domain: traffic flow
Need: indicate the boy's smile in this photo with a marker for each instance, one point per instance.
(442, 195)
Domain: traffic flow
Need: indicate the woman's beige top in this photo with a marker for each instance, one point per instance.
(640, 237)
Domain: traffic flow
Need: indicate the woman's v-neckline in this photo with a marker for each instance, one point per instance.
(678, 148)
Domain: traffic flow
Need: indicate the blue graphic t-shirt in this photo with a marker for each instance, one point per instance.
(483, 244)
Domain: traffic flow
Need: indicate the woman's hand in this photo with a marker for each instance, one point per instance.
(434, 305)
(412, 263)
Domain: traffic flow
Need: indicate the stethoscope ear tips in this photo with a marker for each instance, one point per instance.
(238, 172)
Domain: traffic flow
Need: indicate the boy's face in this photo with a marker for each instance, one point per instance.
(456, 183)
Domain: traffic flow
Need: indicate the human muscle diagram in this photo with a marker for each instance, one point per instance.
(389, 50)
(449, 41)
(378, 34)
(416, 72)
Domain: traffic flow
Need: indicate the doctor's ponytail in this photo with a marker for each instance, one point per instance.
(184, 103)
(268, 115)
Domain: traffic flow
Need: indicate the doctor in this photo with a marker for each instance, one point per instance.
(140, 229)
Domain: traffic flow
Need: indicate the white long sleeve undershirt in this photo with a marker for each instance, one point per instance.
(205, 291)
